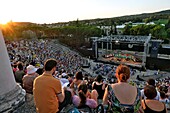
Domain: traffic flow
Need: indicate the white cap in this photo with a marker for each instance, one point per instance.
(31, 69)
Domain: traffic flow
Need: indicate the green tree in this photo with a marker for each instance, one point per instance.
(168, 33)
(159, 32)
(126, 30)
(167, 26)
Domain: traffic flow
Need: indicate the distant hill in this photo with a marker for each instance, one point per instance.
(165, 14)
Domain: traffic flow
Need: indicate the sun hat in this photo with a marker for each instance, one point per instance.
(31, 69)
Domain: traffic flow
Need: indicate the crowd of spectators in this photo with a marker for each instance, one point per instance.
(27, 60)
(25, 52)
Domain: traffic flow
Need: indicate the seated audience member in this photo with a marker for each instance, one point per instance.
(19, 73)
(150, 105)
(150, 82)
(64, 81)
(28, 79)
(48, 94)
(14, 68)
(99, 86)
(70, 78)
(168, 93)
(78, 80)
(122, 96)
(164, 98)
(64, 74)
(40, 71)
(83, 97)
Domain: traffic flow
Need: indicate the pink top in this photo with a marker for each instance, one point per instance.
(90, 102)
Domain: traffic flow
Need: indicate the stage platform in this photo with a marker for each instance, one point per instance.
(134, 65)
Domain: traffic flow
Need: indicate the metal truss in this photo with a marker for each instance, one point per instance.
(125, 38)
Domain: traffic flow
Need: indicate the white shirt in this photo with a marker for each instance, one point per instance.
(166, 100)
(156, 98)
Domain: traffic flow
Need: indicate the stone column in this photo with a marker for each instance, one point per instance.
(102, 45)
(96, 49)
(111, 46)
(11, 94)
(107, 46)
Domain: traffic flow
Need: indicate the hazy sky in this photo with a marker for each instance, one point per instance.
(53, 11)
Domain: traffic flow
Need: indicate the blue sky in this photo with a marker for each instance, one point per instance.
(52, 11)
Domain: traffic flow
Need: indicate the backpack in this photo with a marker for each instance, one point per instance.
(70, 109)
(85, 109)
(99, 109)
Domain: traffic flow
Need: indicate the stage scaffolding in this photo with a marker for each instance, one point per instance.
(123, 39)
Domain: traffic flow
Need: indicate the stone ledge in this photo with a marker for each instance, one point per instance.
(12, 99)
